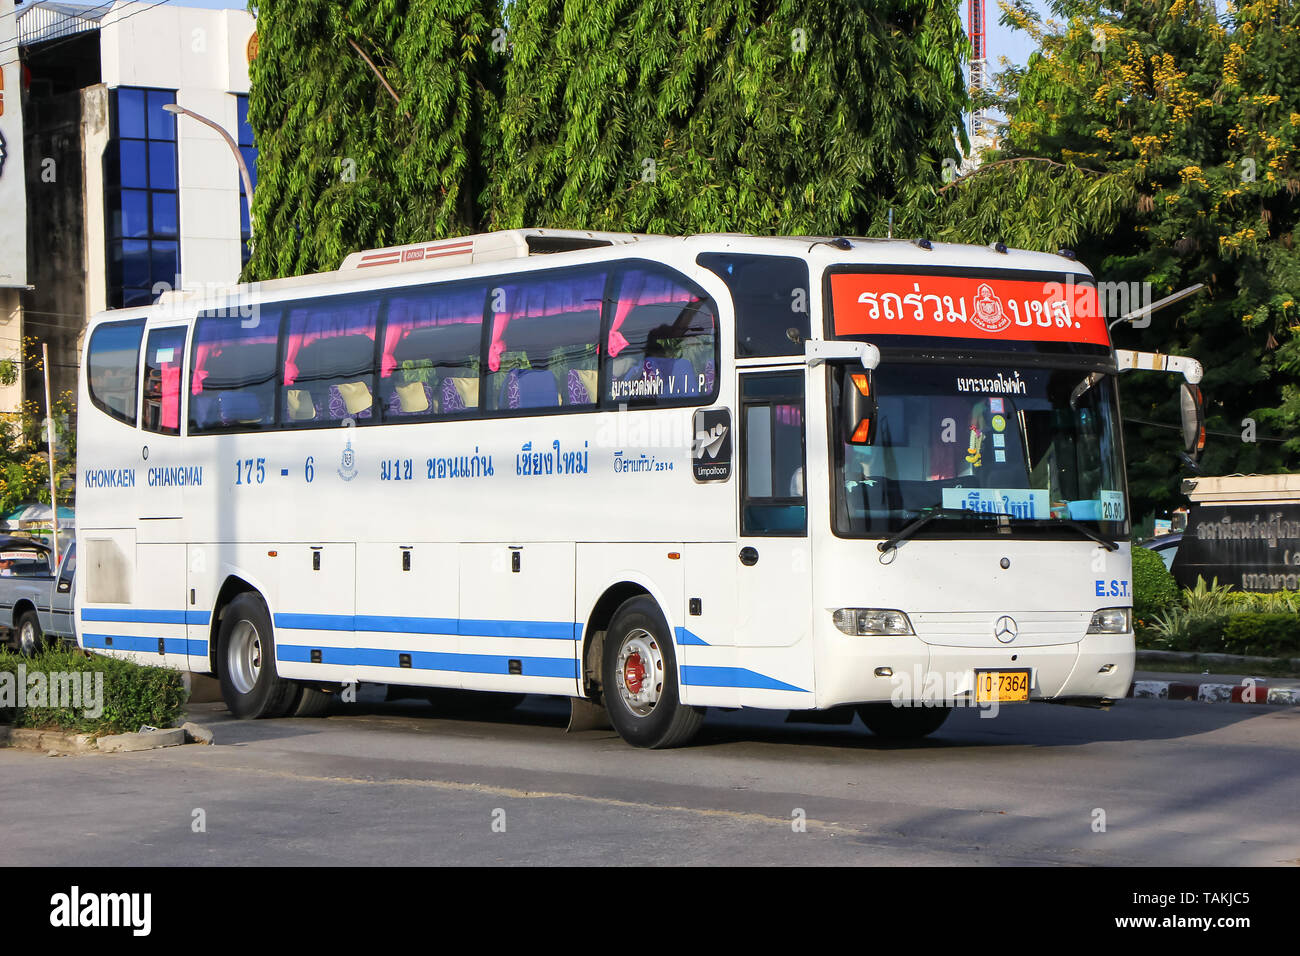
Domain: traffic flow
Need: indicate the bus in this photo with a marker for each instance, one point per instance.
(650, 474)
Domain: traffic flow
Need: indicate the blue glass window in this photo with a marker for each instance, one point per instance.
(143, 206)
(248, 149)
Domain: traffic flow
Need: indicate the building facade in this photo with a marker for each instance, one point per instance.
(124, 199)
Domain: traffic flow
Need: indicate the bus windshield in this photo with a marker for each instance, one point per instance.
(1040, 446)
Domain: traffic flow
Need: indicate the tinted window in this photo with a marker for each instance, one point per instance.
(162, 381)
(544, 334)
(24, 563)
(112, 366)
(770, 294)
(141, 192)
(233, 373)
(432, 341)
(773, 454)
(662, 340)
(329, 360)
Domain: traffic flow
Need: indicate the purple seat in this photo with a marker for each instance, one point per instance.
(339, 408)
(395, 402)
(578, 393)
(451, 400)
(529, 388)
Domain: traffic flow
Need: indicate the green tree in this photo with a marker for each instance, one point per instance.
(1161, 141)
(766, 116)
(369, 126)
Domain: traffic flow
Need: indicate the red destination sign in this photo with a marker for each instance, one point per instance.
(1047, 310)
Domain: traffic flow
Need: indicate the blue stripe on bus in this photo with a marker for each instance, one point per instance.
(134, 615)
(131, 642)
(565, 667)
(539, 630)
(697, 676)
(687, 639)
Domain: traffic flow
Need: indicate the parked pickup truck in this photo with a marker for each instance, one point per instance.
(35, 597)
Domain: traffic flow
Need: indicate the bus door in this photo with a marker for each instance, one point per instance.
(774, 561)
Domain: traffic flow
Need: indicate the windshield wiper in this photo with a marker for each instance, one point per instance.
(908, 530)
(1078, 526)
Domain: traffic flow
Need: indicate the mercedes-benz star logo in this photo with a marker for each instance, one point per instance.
(1005, 629)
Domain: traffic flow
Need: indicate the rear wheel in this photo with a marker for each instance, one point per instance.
(640, 679)
(246, 663)
(28, 635)
(902, 723)
(312, 702)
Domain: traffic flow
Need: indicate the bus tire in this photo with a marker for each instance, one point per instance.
(29, 639)
(639, 673)
(902, 723)
(312, 702)
(250, 685)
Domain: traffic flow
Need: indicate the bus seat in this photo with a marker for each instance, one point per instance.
(413, 398)
(242, 407)
(299, 405)
(349, 400)
(582, 386)
(459, 394)
(529, 388)
(205, 411)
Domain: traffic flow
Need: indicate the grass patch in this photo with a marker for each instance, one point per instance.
(68, 689)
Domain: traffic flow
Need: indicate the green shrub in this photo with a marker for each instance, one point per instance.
(1263, 634)
(1154, 589)
(1180, 629)
(117, 697)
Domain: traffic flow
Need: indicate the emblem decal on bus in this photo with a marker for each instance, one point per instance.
(711, 450)
(348, 463)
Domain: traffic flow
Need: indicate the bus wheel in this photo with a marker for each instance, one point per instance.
(312, 702)
(246, 663)
(640, 679)
(29, 637)
(902, 723)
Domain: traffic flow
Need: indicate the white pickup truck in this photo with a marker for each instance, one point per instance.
(35, 595)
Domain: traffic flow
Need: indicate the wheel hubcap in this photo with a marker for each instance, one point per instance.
(27, 638)
(244, 658)
(640, 672)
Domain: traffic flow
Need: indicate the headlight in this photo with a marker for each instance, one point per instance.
(1111, 620)
(872, 622)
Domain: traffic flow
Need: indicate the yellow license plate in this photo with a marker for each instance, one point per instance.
(1001, 686)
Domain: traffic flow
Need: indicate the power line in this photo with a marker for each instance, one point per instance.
(1178, 428)
(75, 36)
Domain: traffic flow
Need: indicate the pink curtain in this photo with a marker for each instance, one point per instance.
(537, 299)
(307, 325)
(406, 313)
(171, 395)
(643, 288)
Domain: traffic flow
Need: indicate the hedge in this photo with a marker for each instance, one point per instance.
(1154, 589)
(1266, 635)
(67, 689)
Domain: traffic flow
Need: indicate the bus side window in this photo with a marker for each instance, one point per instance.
(429, 363)
(112, 368)
(233, 373)
(543, 349)
(662, 345)
(329, 360)
(770, 294)
(162, 381)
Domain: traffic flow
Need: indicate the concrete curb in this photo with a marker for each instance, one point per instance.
(1221, 662)
(61, 742)
(1246, 692)
(50, 741)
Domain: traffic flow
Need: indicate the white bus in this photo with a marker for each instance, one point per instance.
(650, 474)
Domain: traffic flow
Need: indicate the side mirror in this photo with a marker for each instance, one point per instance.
(858, 407)
(1192, 405)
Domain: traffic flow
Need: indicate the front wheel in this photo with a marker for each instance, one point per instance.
(902, 723)
(30, 638)
(639, 673)
(246, 663)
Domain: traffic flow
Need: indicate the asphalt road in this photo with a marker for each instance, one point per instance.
(1179, 783)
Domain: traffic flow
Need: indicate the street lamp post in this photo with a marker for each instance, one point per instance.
(234, 148)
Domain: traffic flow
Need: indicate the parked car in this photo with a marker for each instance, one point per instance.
(1165, 545)
(35, 597)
